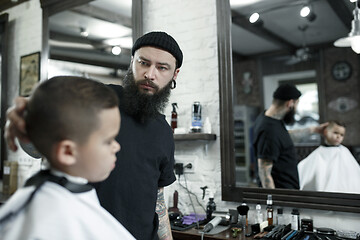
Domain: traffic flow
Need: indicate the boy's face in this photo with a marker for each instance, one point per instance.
(96, 158)
(334, 134)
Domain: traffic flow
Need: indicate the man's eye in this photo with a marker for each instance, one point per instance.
(162, 68)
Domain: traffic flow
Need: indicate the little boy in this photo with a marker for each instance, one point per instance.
(72, 122)
(330, 167)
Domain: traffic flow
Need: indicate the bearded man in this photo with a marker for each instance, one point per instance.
(134, 191)
(274, 148)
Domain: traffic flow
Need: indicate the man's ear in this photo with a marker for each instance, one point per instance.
(176, 73)
(291, 103)
(66, 152)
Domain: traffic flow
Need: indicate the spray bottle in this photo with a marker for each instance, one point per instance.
(174, 117)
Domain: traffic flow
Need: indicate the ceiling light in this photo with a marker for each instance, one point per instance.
(353, 39)
(116, 50)
(353, 0)
(305, 11)
(254, 17)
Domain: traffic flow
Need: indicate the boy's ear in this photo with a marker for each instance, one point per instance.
(66, 152)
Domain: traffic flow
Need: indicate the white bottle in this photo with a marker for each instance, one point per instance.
(207, 125)
(259, 215)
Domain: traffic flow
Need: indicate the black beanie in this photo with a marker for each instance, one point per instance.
(160, 40)
(286, 92)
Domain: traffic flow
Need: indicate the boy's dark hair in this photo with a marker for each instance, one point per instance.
(66, 107)
(335, 122)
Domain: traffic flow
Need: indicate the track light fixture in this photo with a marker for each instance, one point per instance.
(255, 19)
(308, 13)
(353, 39)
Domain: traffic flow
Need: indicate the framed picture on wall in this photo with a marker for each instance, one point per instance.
(29, 73)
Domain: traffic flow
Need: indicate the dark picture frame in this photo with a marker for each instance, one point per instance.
(29, 73)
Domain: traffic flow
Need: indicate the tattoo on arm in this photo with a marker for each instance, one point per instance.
(164, 231)
(265, 167)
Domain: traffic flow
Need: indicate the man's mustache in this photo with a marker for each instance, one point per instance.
(147, 82)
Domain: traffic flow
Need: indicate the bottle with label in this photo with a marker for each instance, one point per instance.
(269, 210)
(280, 217)
(196, 123)
(174, 117)
(295, 219)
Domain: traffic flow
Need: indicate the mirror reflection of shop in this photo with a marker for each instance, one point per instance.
(244, 118)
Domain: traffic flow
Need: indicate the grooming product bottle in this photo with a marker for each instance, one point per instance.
(269, 210)
(210, 208)
(259, 215)
(174, 117)
(243, 211)
(196, 123)
(295, 219)
(280, 217)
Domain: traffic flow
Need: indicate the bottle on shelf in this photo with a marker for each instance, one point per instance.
(269, 210)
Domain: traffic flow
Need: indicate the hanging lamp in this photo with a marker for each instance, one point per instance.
(353, 39)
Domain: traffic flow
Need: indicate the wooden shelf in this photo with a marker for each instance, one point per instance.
(194, 136)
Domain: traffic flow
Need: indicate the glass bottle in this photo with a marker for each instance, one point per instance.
(259, 214)
(269, 210)
(280, 217)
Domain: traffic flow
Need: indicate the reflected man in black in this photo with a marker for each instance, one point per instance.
(274, 148)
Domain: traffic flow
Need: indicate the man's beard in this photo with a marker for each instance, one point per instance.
(289, 118)
(141, 105)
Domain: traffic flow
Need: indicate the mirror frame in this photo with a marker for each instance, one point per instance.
(289, 198)
(4, 20)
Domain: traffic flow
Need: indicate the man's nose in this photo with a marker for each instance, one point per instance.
(150, 73)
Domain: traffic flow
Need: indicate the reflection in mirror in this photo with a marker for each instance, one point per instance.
(92, 40)
(274, 50)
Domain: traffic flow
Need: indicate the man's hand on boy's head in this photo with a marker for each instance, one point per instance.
(15, 124)
(320, 128)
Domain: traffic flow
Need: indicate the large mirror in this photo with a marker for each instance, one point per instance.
(285, 47)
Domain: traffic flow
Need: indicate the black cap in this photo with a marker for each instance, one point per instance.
(286, 92)
(160, 40)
